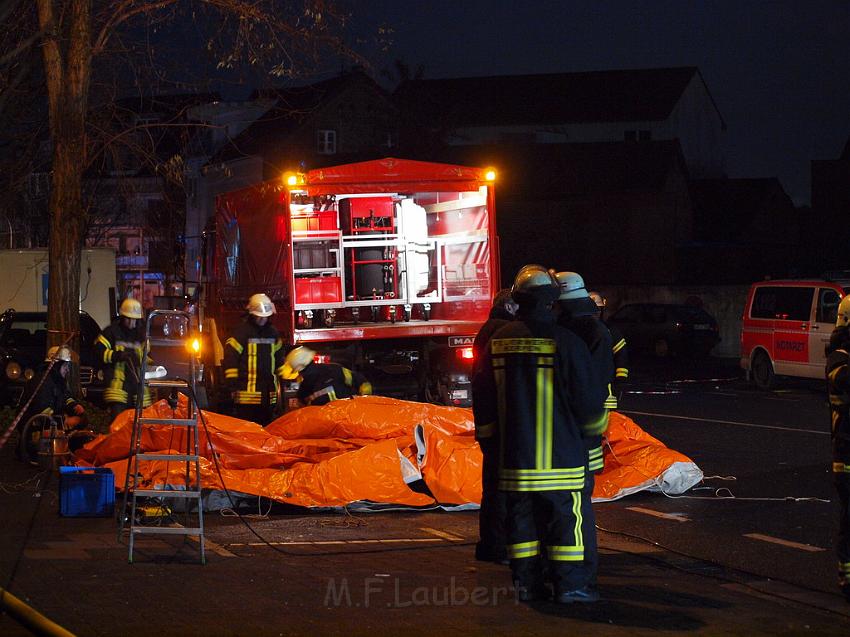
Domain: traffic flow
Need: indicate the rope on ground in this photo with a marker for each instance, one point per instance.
(721, 493)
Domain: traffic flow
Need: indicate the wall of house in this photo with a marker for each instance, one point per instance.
(363, 119)
(629, 238)
(699, 128)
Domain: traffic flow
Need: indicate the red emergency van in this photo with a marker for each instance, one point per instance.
(786, 326)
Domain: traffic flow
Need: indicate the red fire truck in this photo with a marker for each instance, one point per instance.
(386, 266)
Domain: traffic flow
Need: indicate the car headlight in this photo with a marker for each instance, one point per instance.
(13, 370)
(100, 374)
(28, 374)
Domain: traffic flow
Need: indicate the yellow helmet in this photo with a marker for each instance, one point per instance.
(59, 354)
(131, 308)
(296, 361)
(260, 305)
(843, 317)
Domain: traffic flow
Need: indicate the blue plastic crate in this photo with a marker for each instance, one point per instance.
(86, 492)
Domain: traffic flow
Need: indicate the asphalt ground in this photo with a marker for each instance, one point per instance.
(767, 505)
(414, 573)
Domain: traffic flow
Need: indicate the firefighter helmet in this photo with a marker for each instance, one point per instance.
(535, 280)
(260, 305)
(597, 298)
(571, 285)
(296, 361)
(131, 308)
(59, 354)
(505, 301)
(843, 318)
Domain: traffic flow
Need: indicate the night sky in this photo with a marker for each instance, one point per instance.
(779, 71)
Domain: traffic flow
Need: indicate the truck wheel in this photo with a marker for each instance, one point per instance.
(761, 372)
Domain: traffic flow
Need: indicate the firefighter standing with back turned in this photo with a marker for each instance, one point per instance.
(493, 511)
(838, 384)
(535, 394)
(620, 350)
(579, 314)
(120, 348)
(253, 362)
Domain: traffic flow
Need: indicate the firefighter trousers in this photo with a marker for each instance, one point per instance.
(842, 485)
(590, 565)
(491, 516)
(544, 532)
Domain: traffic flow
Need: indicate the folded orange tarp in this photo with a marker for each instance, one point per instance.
(365, 449)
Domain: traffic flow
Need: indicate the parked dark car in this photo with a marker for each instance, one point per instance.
(666, 329)
(23, 345)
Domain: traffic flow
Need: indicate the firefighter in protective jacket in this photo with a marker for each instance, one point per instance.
(493, 511)
(620, 351)
(536, 394)
(253, 363)
(322, 383)
(54, 398)
(120, 348)
(579, 314)
(838, 383)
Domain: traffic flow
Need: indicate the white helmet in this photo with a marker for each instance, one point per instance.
(131, 308)
(572, 286)
(58, 354)
(260, 305)
(296, 361)
(597, 298)
(843, 318)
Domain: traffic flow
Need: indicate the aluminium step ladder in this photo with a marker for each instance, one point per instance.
(190, 490)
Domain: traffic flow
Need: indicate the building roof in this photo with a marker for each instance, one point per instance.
(596, 96)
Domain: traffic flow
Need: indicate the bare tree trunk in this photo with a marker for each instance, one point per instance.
(67, 62)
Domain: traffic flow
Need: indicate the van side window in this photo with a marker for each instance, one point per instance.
(827, 306)
(783, 303)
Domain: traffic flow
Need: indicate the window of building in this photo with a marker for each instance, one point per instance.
(642, 135)
(326, 142)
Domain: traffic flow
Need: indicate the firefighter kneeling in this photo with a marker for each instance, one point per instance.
(321, 383)
(535, 394)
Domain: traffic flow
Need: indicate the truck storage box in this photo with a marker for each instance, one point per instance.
(322, 289)
(322, 220)
(313, 254)
(367, 213)
(86, 492)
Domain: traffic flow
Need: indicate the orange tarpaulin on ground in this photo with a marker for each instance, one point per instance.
(369, 448)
